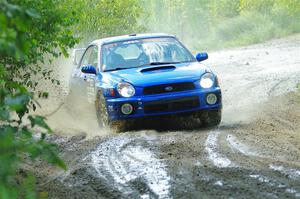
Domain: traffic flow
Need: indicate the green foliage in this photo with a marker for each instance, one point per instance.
(257, 5)
(211, 24)
(29, 29)
(103, 18)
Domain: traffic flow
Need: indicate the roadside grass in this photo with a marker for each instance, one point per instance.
(251, 28)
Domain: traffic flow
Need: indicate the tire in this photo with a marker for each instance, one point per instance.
(210, 118)
(102, 116)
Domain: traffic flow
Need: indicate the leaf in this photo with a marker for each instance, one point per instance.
(39, 121)
(26, 133)
(33, 107)
(18, 102)
(49, 153)
(33, 13)
(59, 162)
(43, 136)
(4, 114)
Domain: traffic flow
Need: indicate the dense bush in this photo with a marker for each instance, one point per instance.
(29, 29)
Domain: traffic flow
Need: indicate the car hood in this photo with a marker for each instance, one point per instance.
(162, 74)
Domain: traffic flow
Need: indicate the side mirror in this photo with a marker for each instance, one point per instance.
(89, 69)
(201, 56)
(77, 54)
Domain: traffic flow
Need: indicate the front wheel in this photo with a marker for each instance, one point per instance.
(210, 118)
(102, 116)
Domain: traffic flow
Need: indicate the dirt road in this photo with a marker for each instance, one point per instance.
(254, 153)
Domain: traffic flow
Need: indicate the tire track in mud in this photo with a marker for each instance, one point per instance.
(211, 147)
(131, 168)
(245, 154)
(284, 84)
(276, 185)
(235, 144)
(291, 173)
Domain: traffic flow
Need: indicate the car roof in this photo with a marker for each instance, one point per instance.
(129, 37)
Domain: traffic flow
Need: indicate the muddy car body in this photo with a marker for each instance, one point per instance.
(145, 75)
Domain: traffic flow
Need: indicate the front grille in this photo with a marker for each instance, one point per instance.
(171, 105)
(167, 88)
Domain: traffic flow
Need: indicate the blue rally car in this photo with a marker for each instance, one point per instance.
(145, 75)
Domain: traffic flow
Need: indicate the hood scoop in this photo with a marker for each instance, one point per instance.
(157, 68)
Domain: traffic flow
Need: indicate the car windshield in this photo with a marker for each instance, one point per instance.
(141, 52)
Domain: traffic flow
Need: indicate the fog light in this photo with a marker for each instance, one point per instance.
(126, 109)
(211, 99)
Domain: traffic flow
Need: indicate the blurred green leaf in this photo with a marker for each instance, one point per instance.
(4, 114)
(18, 102)
(39, 121)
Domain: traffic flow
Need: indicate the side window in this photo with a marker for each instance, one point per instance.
(85, 58)
(93, 59)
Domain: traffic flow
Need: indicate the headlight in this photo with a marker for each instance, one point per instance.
(125, 89)
(207, 80)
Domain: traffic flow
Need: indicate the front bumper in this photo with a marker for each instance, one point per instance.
(171, 103)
